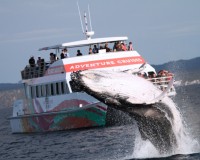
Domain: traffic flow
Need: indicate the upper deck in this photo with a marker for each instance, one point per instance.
(114, 58)
(122, 60)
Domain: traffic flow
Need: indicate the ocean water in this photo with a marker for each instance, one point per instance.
(115, 141)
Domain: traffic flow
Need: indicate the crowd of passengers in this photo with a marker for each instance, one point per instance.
(162, 78)
(161, 74)
(118, 46)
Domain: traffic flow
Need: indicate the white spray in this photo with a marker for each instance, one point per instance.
(185, 144)
(138, 91)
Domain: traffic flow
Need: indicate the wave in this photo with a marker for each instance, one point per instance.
(186, 83)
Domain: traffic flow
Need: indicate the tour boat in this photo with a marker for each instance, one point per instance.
(52, 103)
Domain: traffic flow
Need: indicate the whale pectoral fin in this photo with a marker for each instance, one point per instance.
(163, 94)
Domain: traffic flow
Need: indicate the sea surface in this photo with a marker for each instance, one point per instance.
(115, 141)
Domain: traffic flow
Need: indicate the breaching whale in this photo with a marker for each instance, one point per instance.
(135, 96)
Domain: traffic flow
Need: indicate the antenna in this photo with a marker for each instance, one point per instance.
(88, 34)
(85, 18)
(89, 17)
(80, 18)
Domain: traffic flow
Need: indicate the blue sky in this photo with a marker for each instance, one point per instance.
(161, 30)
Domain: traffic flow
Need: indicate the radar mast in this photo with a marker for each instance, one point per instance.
(88, 33)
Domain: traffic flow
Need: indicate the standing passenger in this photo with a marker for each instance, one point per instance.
(56, 57)
(39, 61)
(90, 51)
(32, 61)
(130, 46)
(62, 56)
(123, 47)
(118, 46)
(95, 49)
(66, 53)
(107, 48)
(42, 67)
(79, 53)
(52, 58)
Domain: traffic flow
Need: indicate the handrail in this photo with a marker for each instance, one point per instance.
(162, 81)
(34, 72)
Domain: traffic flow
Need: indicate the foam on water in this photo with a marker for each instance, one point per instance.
(185, 143)
(144, 148)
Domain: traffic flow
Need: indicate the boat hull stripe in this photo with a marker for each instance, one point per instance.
(104, 63)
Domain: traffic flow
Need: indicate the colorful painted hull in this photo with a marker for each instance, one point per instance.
(89, 116)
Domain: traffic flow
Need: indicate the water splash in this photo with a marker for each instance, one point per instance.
(144, 148)
(136, 90)
(185, 143)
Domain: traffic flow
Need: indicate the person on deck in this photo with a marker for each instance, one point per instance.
(114, 46)
(66, 53)
(62, 56)
(32, 61)
(79, 53)
(39, 60)
(118, 46)
(123, 47)
(41, 67)
(52, 58)
(107, 48)
(95, 49)
(130, 46)
(90, 51)
(56, 57)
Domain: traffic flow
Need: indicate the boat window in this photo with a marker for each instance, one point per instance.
(47, 89)
(43, 91)
(38, 91)
(52, 89)
(60, 88)
(68, 89)
(63, 87)
(57, 88)
(33, 94)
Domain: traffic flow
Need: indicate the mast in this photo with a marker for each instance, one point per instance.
(88, 33)
(80, 17)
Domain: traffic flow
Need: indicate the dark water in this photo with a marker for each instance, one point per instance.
(105, 143)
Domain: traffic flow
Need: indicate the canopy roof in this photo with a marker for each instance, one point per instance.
(85, 43)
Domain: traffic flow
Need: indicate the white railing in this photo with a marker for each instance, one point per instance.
(162, 82)
(33, 72)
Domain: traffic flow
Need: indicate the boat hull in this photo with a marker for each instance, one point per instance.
(89, 116)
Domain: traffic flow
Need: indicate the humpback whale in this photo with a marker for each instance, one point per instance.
(135, 96)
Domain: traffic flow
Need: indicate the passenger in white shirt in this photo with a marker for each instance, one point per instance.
(66, 54)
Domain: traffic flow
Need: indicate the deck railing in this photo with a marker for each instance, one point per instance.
(162, 82)
(33, 72)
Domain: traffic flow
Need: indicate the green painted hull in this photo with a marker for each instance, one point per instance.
(63, 120)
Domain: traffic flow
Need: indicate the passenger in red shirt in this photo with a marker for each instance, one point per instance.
(123, 47)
